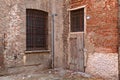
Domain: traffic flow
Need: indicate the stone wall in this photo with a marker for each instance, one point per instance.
(101, 37)
(13, 34)
(12, 26)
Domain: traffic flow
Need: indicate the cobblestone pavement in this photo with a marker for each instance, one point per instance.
(50, 75)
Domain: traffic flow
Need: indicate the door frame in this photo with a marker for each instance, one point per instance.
(84, 32)
(76, 8)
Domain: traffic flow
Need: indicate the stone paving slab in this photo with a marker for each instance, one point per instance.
(50, 75)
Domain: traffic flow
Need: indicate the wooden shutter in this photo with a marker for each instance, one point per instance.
(37, 31)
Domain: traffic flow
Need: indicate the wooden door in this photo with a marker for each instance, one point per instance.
(76, 40)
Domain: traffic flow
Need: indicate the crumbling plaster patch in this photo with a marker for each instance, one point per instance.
(103, 65)
(15, 34)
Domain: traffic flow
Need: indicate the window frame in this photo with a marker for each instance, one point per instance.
(76, 8)
(34, 48)
(77, 25)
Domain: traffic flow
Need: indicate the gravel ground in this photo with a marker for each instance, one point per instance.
(50, 75)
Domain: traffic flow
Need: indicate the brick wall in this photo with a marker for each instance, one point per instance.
(101, 37)
(102, 25)
(119, 34)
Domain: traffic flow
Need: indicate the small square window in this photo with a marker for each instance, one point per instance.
(77, 20)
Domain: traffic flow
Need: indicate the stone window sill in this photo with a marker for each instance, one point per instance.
(37, 51)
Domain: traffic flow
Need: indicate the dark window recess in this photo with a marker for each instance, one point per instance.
(37, 29)
(77, 20)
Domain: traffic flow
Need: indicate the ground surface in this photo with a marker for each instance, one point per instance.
(49, 75)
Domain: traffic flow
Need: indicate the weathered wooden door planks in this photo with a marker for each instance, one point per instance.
(76, 40)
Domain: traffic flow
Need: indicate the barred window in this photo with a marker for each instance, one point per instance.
(77, 20)
(37, 29)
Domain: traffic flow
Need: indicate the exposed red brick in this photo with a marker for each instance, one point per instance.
(103, 23)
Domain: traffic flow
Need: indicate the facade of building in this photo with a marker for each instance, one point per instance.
(100, 36)
(80, 35)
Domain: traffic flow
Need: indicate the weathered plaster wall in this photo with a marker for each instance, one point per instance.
(3, 21)
(12, 29)
(52, 7)
(103, 65)
(38, 4)
(57, 6)
(39, 58)
(66, 6)
(101, 37)
(13, 34)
